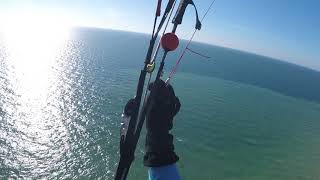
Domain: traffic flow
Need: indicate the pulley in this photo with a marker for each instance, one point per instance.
(150, 67)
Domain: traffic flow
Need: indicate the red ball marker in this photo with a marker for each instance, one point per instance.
(169, 42)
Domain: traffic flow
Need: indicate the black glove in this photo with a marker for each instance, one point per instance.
(163, 105)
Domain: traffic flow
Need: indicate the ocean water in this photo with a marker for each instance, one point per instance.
(243, 116)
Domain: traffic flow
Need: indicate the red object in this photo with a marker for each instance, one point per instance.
(169, 42)
(159, 8)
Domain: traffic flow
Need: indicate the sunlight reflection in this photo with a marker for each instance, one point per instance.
(33, 43)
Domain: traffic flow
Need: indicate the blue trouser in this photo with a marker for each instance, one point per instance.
(169, 172)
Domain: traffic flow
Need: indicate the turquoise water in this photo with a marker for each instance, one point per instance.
(240, 117)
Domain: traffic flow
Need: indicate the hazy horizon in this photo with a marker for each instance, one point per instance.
(206, 43)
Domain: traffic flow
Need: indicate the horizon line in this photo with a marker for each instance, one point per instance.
(210, 44)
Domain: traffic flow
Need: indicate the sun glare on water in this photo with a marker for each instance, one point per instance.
(34, 34)
(33, 41)
(31, 44)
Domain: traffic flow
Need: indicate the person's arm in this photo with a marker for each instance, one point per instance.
(159, 149)
(169, 172)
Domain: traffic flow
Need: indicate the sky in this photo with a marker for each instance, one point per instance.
(284, 29)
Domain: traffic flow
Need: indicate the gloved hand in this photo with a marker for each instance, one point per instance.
(164, 105)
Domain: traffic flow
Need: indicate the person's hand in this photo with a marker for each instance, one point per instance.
(162, 108)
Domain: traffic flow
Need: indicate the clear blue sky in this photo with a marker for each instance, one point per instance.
(284, 29)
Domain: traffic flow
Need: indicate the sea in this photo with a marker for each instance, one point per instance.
(243, 116)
